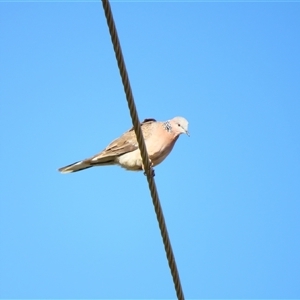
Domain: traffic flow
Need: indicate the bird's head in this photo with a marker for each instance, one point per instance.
(180, 125)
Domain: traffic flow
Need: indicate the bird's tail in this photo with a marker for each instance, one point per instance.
(75, 167)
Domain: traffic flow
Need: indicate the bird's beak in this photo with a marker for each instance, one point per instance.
(187, 133)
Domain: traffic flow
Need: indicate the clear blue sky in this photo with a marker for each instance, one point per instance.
(230, 193)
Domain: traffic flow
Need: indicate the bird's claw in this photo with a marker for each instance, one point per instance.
(152, 172)
(151, 169)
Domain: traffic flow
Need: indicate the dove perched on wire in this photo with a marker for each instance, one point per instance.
(160, 138)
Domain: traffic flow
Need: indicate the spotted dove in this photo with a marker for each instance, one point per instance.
(160, 138)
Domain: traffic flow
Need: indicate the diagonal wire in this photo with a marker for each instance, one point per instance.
(144, 154)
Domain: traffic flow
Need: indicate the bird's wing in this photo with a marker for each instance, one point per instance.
(124, 144)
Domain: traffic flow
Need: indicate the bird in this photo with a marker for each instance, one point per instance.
(160, 138)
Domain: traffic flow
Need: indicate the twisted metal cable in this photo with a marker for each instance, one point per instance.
(142, 147)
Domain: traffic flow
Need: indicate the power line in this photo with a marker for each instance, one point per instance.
(147, 167)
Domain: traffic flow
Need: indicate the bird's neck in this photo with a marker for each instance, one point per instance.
(167, 126)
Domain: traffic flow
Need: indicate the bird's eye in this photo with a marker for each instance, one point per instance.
(178, 124)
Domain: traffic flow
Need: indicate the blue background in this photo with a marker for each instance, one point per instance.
(230, 193)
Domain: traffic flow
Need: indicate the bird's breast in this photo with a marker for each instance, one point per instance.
(158, 149)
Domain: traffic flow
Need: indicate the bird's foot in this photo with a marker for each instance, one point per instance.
(152, 172)
(151, 169)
